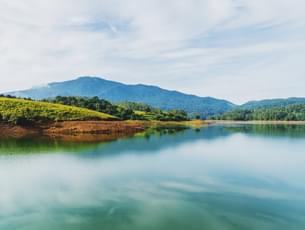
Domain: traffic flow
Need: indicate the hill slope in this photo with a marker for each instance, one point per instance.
(272, 103)
(293, 112)
(118, 92)
(25, 111)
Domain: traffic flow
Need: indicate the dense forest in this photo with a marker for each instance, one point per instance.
(268, 103)
(96, 104)
(278, 113)
(27, 111)
(116, 92)
(132, 110)
(124, 111)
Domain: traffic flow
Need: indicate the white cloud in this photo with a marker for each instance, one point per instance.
(223, 48)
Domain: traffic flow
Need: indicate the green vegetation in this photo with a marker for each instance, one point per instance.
(281, 113)
(147, 112)
(23, 112)
(124, 111)
(138, 107)
(117, 92)
(26, 111)
(96, 104)
(264, 104)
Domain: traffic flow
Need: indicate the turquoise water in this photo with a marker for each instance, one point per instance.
(217, 177)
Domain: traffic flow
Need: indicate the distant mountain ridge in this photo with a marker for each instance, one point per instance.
(119, 92)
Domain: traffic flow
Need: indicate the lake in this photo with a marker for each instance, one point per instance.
(217, 177)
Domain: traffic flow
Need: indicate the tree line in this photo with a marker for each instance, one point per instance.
(24, 113)
(124, 111)
(280, 113)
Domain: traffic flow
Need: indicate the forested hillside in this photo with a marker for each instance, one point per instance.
(26, 112)
(117, 92)
(268, 103)
(124, 111)
(294, 112)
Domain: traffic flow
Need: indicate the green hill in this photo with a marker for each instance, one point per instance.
(20, 111)
(294, 112)
(116, 92)
(123, 111)
(269, 103)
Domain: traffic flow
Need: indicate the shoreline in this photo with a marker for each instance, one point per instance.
(93, 131)
(256, 122)
(88, 131)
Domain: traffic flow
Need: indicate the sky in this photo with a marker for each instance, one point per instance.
(239, 50)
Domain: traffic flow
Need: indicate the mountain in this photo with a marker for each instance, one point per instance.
(119, 92)
(272, 103)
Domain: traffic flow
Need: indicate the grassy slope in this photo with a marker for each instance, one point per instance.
(11, 109)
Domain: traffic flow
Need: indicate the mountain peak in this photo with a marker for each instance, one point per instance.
(88, 78)
(87, 86)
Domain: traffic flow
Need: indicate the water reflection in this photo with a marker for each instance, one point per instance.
(14, 146)
(270, 130)
(218, 177)
(152, 139)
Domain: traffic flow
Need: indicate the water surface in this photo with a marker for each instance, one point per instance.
(218, 177)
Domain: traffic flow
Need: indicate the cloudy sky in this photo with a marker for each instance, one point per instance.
(234, 49)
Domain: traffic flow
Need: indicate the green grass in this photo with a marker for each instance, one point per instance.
(19, 110)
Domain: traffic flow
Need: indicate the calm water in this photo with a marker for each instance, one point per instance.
(218, 177)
